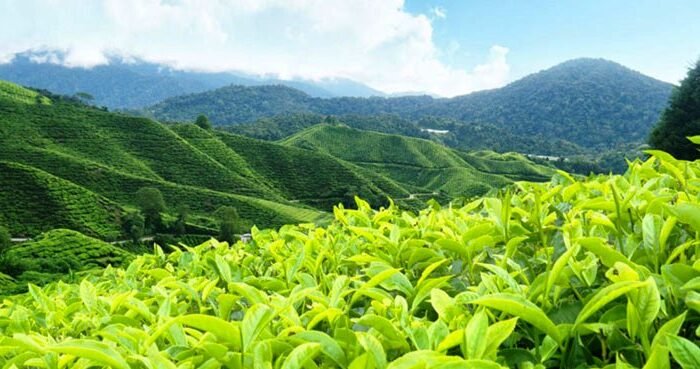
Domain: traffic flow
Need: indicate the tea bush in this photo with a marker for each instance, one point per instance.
(595, 273)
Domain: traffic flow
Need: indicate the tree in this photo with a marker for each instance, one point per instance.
(5, 240)
(133, 226)
(228, 217)
(84, 97)
(203, 122)
(180, 225)
(680, 119)
(151, 203)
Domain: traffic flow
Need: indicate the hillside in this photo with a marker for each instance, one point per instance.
(68, 159)
(301, 176)
(128, 83)
(75, 166)
(59, 204)
(56, 255)
(431, 167)
(564, 104)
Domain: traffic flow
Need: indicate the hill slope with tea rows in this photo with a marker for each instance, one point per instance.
(418, 162)
(73, 166)
(594, 273)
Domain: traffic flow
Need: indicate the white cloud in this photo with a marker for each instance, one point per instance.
(371, 41)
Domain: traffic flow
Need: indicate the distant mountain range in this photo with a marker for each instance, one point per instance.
(582, 105)
(128, 83)
(591, 103)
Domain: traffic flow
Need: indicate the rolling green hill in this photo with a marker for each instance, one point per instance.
(66, 162)
(423, 165)
(284, 125)
(74, 166)
(312, 177)
(55, 255)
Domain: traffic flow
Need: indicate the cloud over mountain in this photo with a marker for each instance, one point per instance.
(375, 42)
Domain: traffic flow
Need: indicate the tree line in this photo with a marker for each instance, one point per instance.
(148, 219)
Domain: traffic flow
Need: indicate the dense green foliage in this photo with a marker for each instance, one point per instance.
(54, 255)
(311, 177)
(560, 105)
(456, 134)
(597, 273)
(5, 239)
(203, 122)
(681, 119)
(228, 217)
(484, 136)
(13, 93)
(150, 201)
(68, 162)
(59, 251)
(133, 226)
(33, 201)
(569, 101)
(234, 104)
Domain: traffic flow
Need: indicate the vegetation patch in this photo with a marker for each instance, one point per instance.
(55, 255)
(595, 273)
(12, 92)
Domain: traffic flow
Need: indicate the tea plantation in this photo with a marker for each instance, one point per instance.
(69, 165)
(602, 272)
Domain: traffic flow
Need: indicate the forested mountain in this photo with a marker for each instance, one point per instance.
(238, 104)
(125, 83)
(567, 102)
(73, 166)
(570, 101)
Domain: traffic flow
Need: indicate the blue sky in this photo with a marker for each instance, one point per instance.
(660, 38)
(444, 47)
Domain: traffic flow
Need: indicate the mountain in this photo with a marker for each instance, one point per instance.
(132, 83)
(346, 87)
(237, 104)
(591, 103)
(69, 165)
(234, 104)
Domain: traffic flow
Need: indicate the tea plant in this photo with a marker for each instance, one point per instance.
(600, 273)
